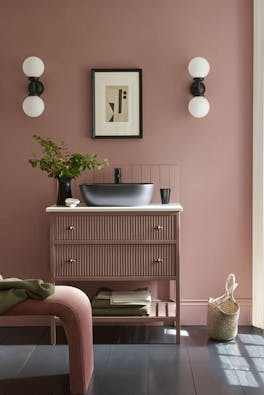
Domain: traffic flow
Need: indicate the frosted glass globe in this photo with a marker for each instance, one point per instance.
(199, 106)
(198, 67)
(33, 106)
(33, 66)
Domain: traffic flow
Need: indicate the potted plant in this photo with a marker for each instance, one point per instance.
(58, 162)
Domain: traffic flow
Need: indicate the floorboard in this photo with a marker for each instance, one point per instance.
(169, 371)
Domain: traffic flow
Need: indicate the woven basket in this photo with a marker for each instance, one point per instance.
(223, 313)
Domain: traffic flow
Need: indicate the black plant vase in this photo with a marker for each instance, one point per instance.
(64, 191)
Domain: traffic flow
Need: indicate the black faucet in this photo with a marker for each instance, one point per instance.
(117, 176)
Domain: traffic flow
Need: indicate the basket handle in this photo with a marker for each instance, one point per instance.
(231, 278)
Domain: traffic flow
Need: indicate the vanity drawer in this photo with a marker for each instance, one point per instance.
(114, 261)
(114, 227)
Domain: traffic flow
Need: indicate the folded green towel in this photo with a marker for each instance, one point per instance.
(14, 291)
(103, 307)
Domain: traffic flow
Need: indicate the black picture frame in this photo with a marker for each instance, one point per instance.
(105, 86)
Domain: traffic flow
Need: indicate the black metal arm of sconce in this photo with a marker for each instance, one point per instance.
(35, 87)
(197, 87)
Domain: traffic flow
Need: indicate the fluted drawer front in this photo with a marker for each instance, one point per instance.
(114, 260)
(114, 227)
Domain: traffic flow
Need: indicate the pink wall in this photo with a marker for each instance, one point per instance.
(213, 154)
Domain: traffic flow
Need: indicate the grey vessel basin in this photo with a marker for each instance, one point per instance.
(117, 194)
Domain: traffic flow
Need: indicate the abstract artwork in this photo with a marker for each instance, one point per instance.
(116, 108)
(117, 103)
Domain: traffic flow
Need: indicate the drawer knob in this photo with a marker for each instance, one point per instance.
(158, 227)
(72, 260)
(71, 227)
(157, 260)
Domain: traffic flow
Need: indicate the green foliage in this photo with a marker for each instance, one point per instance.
(57, 161)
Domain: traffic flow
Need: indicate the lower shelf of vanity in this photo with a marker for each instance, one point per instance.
(161, 311)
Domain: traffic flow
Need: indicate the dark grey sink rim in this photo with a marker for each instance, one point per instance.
(118, 185)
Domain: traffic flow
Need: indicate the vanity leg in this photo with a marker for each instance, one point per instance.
(53, 331)
(177, 281)
(177, 321)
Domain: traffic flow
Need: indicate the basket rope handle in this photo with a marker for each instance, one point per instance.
(231, 278)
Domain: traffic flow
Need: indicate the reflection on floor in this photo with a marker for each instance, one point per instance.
(135, 361)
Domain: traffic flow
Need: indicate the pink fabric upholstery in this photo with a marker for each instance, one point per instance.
(73, 307)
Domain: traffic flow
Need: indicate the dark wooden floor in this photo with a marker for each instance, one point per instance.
(127, 364)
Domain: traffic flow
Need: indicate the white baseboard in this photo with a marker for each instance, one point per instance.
(194, 311)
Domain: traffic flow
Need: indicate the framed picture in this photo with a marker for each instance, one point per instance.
(117, 103)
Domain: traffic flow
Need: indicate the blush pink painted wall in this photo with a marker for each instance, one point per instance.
(213, 154)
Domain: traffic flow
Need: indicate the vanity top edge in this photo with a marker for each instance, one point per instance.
(83, 208)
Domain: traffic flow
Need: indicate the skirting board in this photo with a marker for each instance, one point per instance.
(193, 312)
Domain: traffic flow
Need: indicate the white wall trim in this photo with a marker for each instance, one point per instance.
(258, 168)
(194, 311)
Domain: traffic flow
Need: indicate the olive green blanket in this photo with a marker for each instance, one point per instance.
(104, 308)
(14, 291)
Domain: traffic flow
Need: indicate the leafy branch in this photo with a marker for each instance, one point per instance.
(57, 161)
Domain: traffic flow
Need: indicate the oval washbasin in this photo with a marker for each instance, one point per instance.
(117, 194)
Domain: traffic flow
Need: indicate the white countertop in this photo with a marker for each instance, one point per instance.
(91, 209)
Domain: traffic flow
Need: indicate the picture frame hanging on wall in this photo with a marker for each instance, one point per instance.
(117, 103)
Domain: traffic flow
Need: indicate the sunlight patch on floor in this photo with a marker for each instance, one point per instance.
(231, 377)
(234, 362)
(258, 364)
(228, 349)
(242, 360)
(247, 378)
(255, 351)
(251, 339)
(171, 331)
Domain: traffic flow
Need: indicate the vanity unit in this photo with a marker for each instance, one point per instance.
(109, 244)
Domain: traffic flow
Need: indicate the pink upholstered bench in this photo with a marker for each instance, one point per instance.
(73, 307)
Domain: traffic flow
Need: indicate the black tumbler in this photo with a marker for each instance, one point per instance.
(165, 195)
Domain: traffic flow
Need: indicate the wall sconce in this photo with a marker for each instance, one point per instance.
(33, 105)
(198, 106)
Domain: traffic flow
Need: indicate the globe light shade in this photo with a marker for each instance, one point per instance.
(33, 66)
(33, 106)
(198, 67)
(199, 106)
